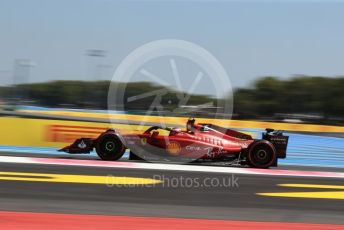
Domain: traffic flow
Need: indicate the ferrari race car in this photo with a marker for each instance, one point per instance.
(198, 143)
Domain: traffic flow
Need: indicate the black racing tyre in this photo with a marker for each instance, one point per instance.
(133, 156)
(109, 147)
(261, 155)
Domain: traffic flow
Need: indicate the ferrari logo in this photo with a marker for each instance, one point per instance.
(173, 148)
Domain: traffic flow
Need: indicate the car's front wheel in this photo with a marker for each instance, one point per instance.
(109, 147)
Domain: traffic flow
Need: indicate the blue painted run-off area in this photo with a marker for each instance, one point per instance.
(303, 150)
(314, 150)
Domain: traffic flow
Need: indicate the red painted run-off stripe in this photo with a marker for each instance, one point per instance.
(43, 221)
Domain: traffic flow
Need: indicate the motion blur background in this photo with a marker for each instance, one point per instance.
(284, 61)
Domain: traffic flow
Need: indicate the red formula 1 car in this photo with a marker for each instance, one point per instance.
(199, 142)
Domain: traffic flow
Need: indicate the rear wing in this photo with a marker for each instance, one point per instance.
(279, 141)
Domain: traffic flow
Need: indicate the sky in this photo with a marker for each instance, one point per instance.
(250, 39)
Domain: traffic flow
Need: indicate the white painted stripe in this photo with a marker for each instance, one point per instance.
(170, 167)
(21, 160)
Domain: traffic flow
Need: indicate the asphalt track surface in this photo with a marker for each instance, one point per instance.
(234, 197)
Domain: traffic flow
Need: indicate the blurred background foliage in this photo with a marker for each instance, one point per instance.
(313, 98)
(270, 96)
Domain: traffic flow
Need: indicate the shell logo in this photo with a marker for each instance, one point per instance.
(144, 141)
(173, 148)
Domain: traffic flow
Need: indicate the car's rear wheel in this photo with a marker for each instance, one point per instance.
(109, 147)
(261, 155)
